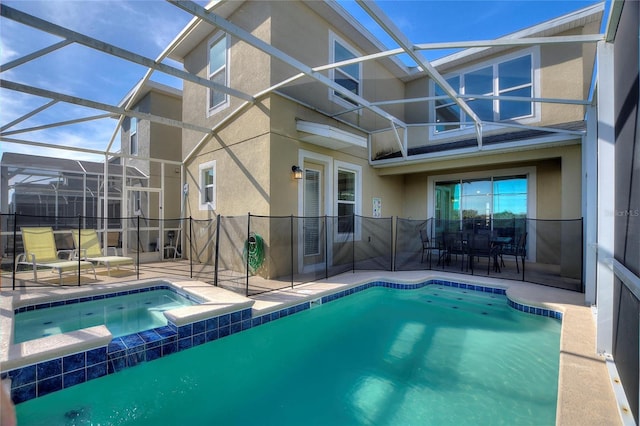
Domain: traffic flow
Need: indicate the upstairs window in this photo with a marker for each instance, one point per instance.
(347, 76)
(133, 136)
(218, 72)
(515, 76)
(208, 185)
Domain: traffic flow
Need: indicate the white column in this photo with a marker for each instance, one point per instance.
(606, 197)
(590, 205)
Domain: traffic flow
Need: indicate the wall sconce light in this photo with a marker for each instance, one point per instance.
(297, 172)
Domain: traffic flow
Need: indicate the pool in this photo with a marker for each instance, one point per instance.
(433, 355)
(123, 314)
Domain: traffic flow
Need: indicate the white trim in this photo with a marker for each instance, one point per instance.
(209, 165)
(327, 187)
(132, 134)
(357, 209)
(606, 197)
(532, 201)
(212, 41)
(533, 51)
(333, 38)
(590, 204)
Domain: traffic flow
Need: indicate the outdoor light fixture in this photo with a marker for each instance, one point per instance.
(297, 172)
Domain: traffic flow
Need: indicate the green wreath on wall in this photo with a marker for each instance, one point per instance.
(253, 253)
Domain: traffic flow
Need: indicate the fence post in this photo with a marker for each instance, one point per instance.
(190, 247)
(138, 244)
(217, 248)
(326, 248)
(291, 246)
(353, 243)
(79, 248)
(247, 250)
(582, 255)
(15, 235)
(394, 247)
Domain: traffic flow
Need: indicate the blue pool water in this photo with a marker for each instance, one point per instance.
(432, 356)
(122, 315)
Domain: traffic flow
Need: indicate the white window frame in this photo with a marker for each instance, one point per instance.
(469, 128)
(133, 136)
(211, 110)
(357, 210)
(207, 205)
(333, 96)
(530, 172)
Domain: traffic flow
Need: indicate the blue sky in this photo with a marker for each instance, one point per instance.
(148, 26)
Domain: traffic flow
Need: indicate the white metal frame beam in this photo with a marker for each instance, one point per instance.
(6, 84)
(511, 42)
(274, 52)
(394, 32)
(72, 36)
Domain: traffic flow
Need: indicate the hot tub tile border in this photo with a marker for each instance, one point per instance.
(127, 351)
(65, 302)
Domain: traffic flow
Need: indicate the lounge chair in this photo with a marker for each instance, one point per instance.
(88, 246)
(40, 252)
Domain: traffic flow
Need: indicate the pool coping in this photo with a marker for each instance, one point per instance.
(214, 302)
(585, 393)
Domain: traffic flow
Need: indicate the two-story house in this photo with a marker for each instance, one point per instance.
(494, 132)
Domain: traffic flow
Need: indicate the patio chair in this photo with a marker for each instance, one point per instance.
(89, 249)
(453, 243)
(520, 250)
(40, 252)
(481, 247)
(427, 247)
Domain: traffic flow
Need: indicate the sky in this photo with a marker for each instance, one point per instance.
(146, 27)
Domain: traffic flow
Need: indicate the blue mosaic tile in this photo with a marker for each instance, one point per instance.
(116, 345)
(23, 393)
(22, 376)
(116, 364)
(74, 378)
(236, 317)
(224, 320)
(211, 323)
(49, 385)
(165, 331)
(150, 337)
(134, 358)
(235, 327)
(153, 353)
(223, 331)
(199, 339)
(199, 327)
(185, 331)
(185, 343)
(97, 370)
(48, 369)
(246, 324)
(132, 341)
(211, 335)
(95, 356)
(73, 362)
(169, 347)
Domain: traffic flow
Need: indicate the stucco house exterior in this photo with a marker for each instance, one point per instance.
(375, 137)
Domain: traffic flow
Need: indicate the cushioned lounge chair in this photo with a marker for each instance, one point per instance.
(40, 252)
(88, 246)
